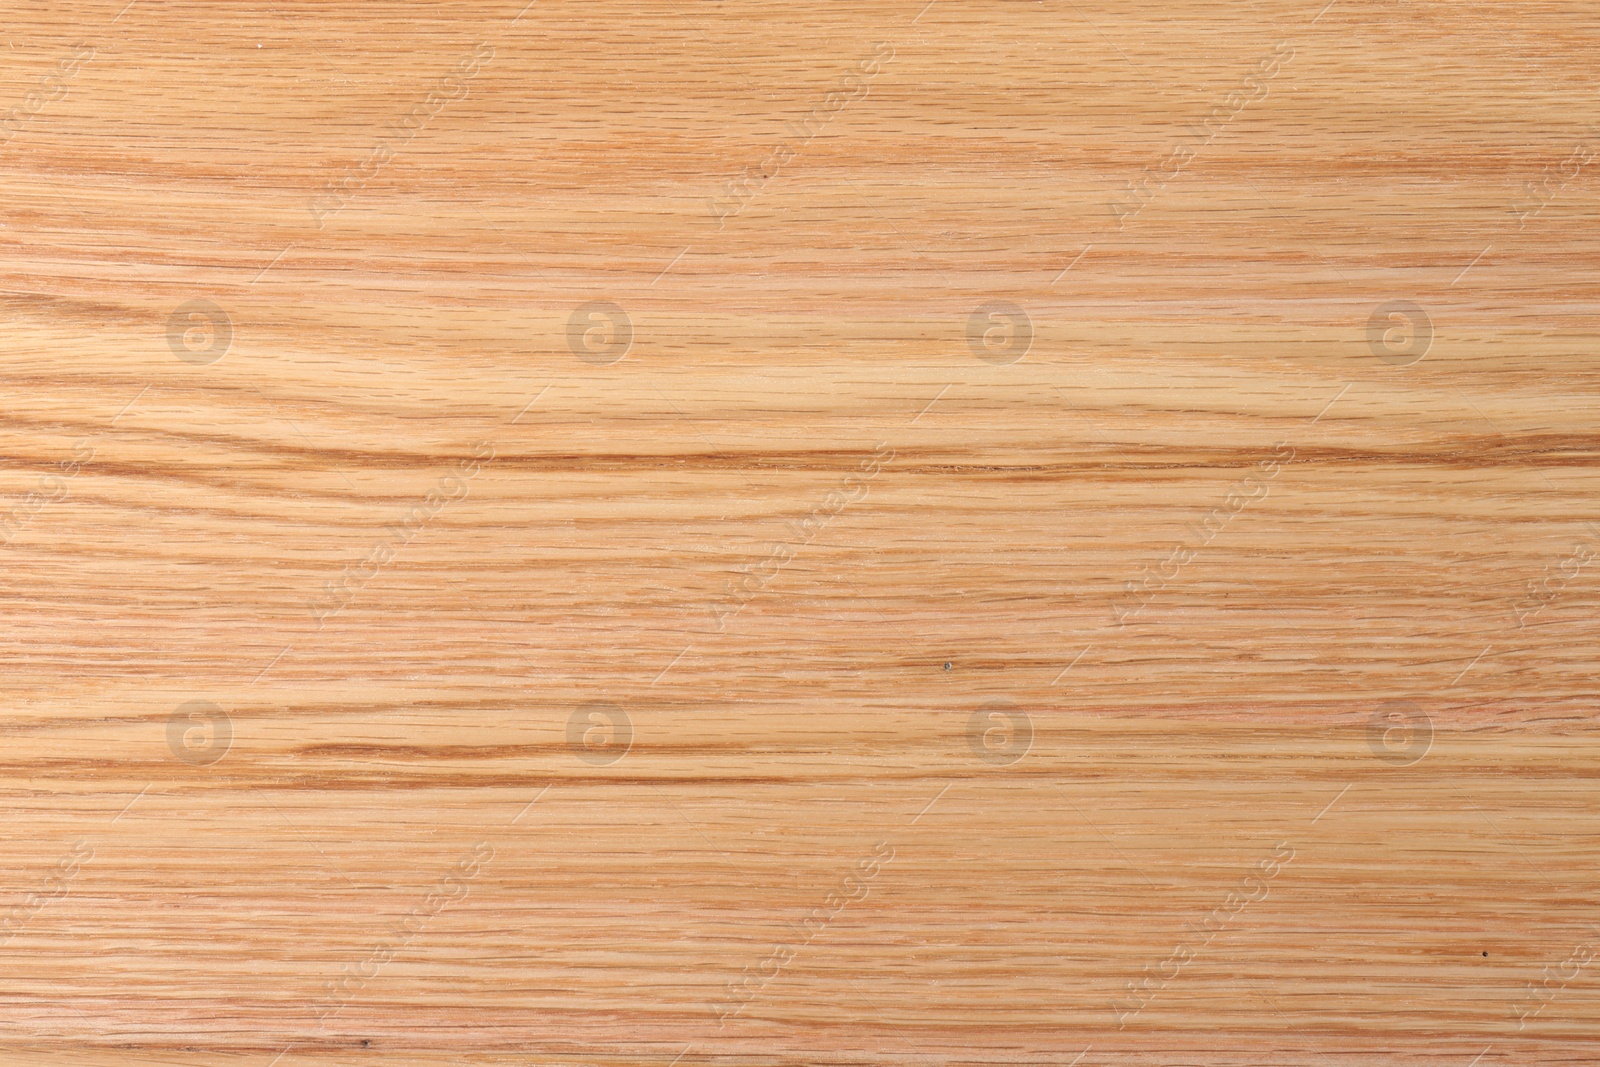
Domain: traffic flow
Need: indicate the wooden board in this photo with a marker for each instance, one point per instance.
(743, 533)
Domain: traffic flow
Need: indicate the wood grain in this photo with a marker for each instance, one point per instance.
(738, 533)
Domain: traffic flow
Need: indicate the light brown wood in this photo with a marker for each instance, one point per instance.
(689, 533)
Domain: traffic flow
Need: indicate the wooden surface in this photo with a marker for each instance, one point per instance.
(735, 533)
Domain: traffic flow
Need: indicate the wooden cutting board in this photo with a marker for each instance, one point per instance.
(744, 533)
